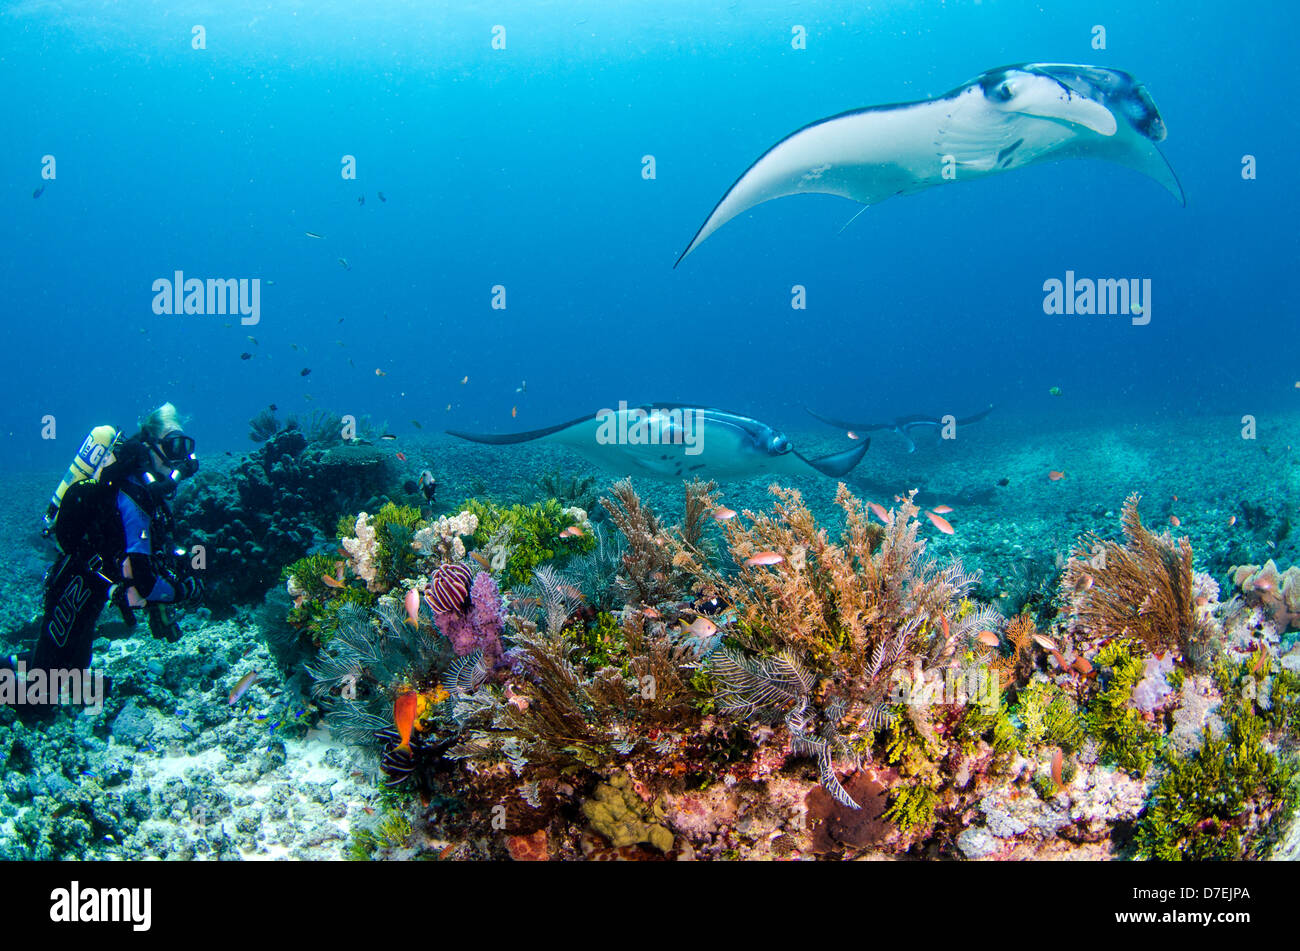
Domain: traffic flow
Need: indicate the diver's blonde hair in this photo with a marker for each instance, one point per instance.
(161, 421)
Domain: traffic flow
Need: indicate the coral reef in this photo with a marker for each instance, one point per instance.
(1277, 593)
(278, 504)
(479, 628)
(517, 539)
(1142, 588)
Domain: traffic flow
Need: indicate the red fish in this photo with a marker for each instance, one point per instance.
(940, 523)
(1056, 475)
(413, 607)
(1058, 761)
(722, 513)
(401, 457)
(941, 509)
(404, 709)
(880, 513)
(765, 558)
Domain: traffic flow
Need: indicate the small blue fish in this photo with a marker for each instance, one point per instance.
(274, 725)
(186, 729)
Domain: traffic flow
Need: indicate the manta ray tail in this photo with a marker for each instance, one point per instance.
(509, 439)
(838, 464)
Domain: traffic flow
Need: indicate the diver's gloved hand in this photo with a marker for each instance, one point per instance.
(162, 625)
(190, 591)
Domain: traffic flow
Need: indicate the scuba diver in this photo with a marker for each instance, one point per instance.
(111, 517)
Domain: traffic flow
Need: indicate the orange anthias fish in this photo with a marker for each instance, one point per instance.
(1058, 761)
(379, 372)
(765, 558)
(880, 513)
(941, 509)
(988, 638)
(700, 627)
(1056, 475)
(722, 513)
(940, 523)
(401, 457)
(413, 607)
(405, 708)
(1175, 521)
(514, 411)
(573, 531)
(331, 581)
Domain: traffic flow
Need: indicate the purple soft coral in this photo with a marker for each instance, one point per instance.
(481, 627)
(1151, 691)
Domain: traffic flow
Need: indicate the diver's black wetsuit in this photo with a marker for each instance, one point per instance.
(132, 525)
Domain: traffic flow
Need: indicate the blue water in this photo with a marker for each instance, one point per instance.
(522, 167)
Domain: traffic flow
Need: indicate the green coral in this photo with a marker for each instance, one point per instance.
(318, 614)
(534, 535)
(977, 722)
(912, 807)
(1222, 802)
(1049, 715)
(1119, 728)
(602, 640)
(395, 527)
(913, 752)
(618, 813)
(1283, 711)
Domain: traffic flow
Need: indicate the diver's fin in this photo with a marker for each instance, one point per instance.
(838, 463)
(509, 439)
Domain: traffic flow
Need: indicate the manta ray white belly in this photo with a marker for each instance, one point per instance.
(1004, 120)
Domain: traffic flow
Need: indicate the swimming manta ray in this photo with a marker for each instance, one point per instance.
(906, 426)
(1006, 119)
(677, 440)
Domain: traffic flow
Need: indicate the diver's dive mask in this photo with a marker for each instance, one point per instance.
(176, 451)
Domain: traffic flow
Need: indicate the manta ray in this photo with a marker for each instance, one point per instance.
(679, 440)
(1005, 119)
(906, 426)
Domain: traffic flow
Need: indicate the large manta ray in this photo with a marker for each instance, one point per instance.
(678, 440)
(906, 426)
(1005, 119)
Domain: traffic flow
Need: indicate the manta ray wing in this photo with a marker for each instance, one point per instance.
(867, 155)
(836, 464)
(1004, 119)
(510, 439)
(845, 424)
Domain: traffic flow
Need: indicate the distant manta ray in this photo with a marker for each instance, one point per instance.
(677, 441)
(905, 426)
(1005, 119)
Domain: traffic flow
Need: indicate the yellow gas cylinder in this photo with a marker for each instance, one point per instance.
(95, 454)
